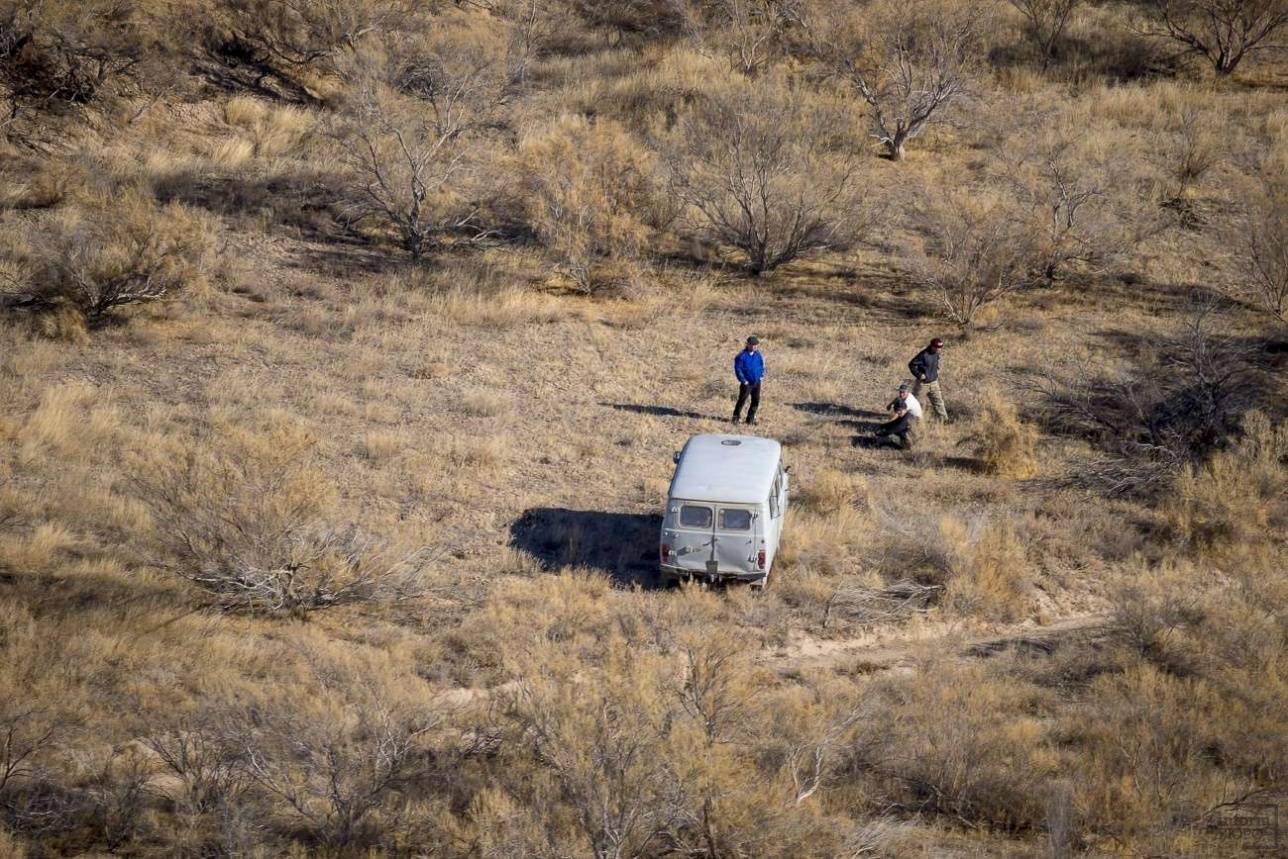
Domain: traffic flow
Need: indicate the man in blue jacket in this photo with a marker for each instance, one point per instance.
(749, 367)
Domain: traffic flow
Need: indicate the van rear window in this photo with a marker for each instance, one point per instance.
(693, 516)
(735, 520)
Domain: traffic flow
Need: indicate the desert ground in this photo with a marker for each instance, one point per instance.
(337, 547)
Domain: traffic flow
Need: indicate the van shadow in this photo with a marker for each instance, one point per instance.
(623, 545)
(657, 411)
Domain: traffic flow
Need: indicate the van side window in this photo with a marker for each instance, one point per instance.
(735, 520)
(693, 516)
(774, 494)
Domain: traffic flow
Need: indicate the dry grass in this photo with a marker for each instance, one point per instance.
(181, 492)
(1005, 444)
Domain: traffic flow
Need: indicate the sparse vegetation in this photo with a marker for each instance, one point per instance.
(762, 173)
(305, 549)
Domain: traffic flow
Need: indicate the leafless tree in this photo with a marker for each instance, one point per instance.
(761, 176)
(406, 148)
(976, 254)
(1263, 239)
(1221, 31)
(1045, 22)
(908, 65)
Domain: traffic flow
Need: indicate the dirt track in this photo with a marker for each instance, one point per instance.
(871, 653)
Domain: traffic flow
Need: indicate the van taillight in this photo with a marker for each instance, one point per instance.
(760, 559)
(666, 552)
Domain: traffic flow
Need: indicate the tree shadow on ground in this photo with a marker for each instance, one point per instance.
(658, 411)
(623, 545)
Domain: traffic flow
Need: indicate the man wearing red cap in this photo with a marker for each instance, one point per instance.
(925, 369)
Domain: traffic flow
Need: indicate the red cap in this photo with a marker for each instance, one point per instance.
(937, 343)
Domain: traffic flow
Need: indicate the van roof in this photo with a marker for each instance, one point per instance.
(736, 469)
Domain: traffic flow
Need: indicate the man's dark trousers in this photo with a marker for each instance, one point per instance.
(745, 391)
(900, 427)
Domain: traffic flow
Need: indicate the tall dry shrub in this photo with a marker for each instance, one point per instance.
(593, 196)
(110, 253)
(1003, 442)
(250, 519)
(1240, 494)
(1262, 241)
(989, 571)
(69, 52)
(956, 742)
(765, 171)
(978, 250)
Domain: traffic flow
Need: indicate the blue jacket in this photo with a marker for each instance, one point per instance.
(749, 367)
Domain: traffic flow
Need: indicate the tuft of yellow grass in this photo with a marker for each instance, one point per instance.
(1005, 445)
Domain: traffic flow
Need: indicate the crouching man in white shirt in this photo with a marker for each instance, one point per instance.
(906, 413)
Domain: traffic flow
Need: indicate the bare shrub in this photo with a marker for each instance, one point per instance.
(1073, 212)
(336, 766)
(637, 20)
(208, 761)
(762, 172)
(592, 191)
(295, 39)
(1262, 241)
(25, 731)
(1045, 22)
(118, 252)
(1004, 444)
(955, 742)
(1183, 401)
(406, 138)
(908, 63)
(1194, 149)
(246, 519)
(66, 53)
(752, 31)
(1223, 32)
(1239, 494)
(118, 797)
(978, 251)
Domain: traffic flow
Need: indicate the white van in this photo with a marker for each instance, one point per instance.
(724, 513)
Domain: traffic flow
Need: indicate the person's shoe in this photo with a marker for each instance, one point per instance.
(734, 419)
(751, 422)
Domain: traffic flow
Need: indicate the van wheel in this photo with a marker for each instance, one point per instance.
(758, 588)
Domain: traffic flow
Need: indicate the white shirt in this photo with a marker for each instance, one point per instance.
(913, 407)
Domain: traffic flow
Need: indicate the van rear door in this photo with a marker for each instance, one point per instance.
(737, 538)
(690, 535)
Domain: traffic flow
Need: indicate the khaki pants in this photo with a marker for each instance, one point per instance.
(933, 394)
